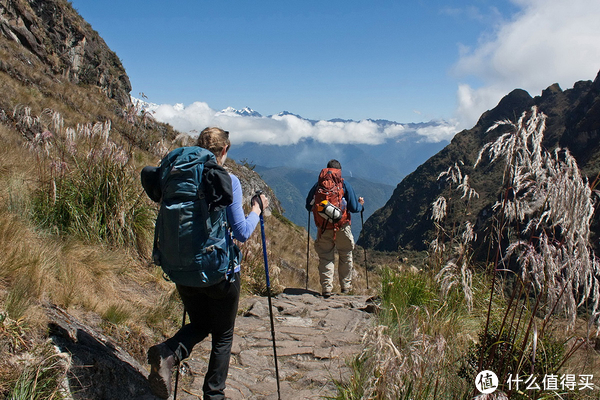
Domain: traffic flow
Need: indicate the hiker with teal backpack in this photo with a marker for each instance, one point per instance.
(200, 214)
(331, 200)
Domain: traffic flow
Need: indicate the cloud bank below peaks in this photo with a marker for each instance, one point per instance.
(285, 128)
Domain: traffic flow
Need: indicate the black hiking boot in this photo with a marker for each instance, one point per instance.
(161, 360)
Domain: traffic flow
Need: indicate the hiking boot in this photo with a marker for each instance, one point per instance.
(162, 360)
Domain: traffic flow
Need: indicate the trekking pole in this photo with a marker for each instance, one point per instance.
(307, 249)
(264, 246)
(177, 371)
(362, 224)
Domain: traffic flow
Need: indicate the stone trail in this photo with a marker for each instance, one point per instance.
(315, 337)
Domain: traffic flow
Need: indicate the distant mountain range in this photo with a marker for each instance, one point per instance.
(387, 162)
(245, 112)
(373, 169)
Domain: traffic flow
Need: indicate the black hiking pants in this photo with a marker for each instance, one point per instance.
(210, 310)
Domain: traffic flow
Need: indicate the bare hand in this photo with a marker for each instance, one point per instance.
(361, 200)
(256, 204)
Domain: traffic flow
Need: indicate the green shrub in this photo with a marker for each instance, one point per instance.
(116, 314)
(405, 289)
(89, 187)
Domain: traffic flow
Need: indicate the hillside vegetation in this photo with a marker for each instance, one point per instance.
(75, 225)
(76, 232)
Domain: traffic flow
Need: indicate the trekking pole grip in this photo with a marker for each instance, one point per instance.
(259, 199)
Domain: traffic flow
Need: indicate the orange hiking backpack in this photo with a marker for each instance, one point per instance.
(329, 207)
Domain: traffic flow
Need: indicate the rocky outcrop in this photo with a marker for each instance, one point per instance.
(573, 122)
(99, 368)
(252, 182)
(54, 33)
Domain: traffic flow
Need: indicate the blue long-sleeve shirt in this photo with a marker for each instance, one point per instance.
(352, 203)
(241, 225)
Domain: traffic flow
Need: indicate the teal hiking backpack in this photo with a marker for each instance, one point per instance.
(192, 242)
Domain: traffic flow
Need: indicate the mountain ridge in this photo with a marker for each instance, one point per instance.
(573, 121)
(67, 45)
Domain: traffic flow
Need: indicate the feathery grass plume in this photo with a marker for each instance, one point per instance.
(159, 149)
(521, 149)
(544, 214)
(450, 251)
(22, 116)
(554, 203)
(407, 354)
(453, 173)
(467, 190)
(407, 367)
(457, 272)
(440, 206)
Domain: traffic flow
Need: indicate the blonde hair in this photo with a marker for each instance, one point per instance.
(214, 139)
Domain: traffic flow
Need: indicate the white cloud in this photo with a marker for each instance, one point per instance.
(277, 129)
(548, 41)
(439, 132)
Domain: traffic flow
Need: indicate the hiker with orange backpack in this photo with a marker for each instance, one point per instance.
(331, 201)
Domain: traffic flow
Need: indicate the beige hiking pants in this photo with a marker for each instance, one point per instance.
(325, 246)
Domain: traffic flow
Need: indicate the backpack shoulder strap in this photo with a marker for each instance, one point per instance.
(218, 189)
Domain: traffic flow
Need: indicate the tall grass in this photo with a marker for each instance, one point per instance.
(452, 248)
(44, 378)
(80, 185)
(88, 184)
(544, 215)
(543, 265)
(414, 349)
(36, 372)
(74, 226)
(508, 315)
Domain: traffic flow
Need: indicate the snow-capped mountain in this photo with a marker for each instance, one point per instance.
(244, 112)
(143, 105)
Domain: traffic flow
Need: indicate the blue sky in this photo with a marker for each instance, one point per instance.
(406, 61)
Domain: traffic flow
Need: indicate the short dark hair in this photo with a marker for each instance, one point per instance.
(334, 164)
